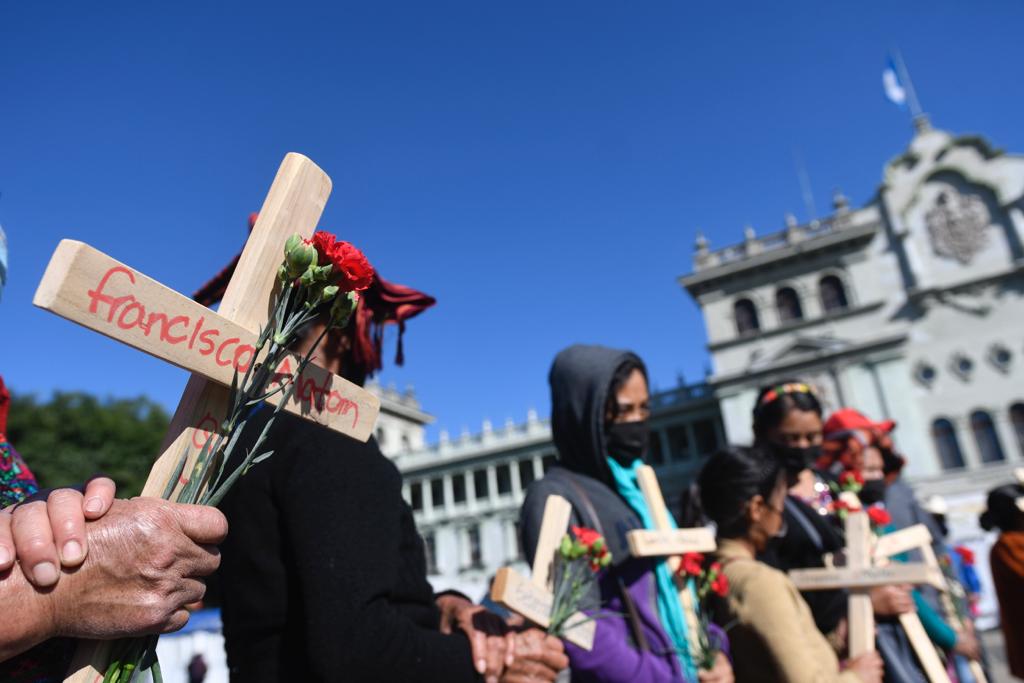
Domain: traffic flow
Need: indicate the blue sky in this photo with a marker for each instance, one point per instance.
(540, 167)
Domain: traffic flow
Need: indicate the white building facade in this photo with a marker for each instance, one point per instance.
(910, 308)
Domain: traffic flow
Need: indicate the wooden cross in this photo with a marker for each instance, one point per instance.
(918, 537)
(94, 290)
(664, 541)
(532, 597)
(858, 576)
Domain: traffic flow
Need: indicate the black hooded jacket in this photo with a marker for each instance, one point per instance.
(580, 380)
(633, 648)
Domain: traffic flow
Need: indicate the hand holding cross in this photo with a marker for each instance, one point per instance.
(92, 289)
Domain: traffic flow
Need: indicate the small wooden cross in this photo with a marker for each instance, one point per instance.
(532, 597)
(858, 576)
(94, 290)
(664, 541)
(918, 537)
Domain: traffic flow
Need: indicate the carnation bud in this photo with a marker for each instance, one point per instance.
(597, 545)
(299, 255)
(330, 291)
(606, 560)
(565, 549)
(308, 277)
(282, 274)
(321, 272)
(578, 549)
(343, 308)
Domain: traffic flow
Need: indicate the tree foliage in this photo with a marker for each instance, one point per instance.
(75, 435)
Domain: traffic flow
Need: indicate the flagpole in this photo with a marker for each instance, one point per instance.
(915, 105)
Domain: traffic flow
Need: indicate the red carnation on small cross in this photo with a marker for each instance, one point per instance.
(691, 564)
(720, 585)
(585, 536)
(353, 271)
(879, 516)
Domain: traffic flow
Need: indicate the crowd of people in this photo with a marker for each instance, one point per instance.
(321, 574)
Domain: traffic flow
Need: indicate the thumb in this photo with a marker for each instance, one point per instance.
(205, 525)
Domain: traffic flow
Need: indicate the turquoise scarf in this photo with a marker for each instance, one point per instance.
(669, 610)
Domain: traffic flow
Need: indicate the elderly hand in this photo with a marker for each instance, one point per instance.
(491, 640)
(539, 657)
(146, 557)
(49, 532)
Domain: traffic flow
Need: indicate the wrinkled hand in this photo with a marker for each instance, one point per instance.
(539, 657)
(490, 638)
(145, 559)
(868, 667)
(49, 532)
(890, 601)
(721, 673)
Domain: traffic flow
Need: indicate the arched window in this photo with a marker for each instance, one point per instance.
(788, 304)
(1017, 420)
(947, 445)
(833, 294)
(746, 317)
(986, 438)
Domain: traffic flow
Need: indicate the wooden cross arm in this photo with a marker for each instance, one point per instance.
(521, 595)
(661, 543)
(910, 538)
(92, 289)
(864, 577)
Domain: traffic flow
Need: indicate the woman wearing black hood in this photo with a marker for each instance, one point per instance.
(599, 411)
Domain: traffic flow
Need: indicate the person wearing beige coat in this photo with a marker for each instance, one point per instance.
(774, 637)
(772, 634)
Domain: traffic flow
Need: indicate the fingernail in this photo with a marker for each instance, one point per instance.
(45, 573)
(481, 665)
(94, 504)
(5, 555)
(72, 552)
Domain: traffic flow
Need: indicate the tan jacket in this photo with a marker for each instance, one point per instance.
(774, 637)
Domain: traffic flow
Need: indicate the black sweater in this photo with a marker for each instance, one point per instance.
(323, 575)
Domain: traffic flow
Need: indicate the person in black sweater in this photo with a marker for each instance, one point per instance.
(324, 574)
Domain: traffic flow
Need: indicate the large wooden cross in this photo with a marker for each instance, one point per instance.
(532, 597)
(664, 541)
(92, 289)
(918, 537)
(858, 576)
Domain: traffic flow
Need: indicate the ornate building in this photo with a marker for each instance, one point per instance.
(909, 308)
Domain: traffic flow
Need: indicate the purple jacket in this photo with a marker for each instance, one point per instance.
(616, 657)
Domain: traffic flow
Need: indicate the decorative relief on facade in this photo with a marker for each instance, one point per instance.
(957, 225)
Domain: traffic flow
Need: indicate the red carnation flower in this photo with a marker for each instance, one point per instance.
(851, 478)
(966, 554)
(720, 585)
(691, 565)
(879, 516)
(352, 272)
(586, 536)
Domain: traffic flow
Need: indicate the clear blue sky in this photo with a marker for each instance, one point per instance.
(540, 167)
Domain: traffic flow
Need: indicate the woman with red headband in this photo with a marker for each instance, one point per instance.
(788, 423)
(324, 573)
(853, 443)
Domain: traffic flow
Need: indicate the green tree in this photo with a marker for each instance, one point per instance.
(75, 435)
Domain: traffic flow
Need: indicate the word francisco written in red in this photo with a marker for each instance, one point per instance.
(127, 312)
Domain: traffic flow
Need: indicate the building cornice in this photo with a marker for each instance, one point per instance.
(802, 362)
(849, 312)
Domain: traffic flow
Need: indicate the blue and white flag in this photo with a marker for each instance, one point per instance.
(894, 88)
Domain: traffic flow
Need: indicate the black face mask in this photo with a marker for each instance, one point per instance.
(627, 441)
(795, 460)
(872, 492)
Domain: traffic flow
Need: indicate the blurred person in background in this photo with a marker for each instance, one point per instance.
(1005, 514)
